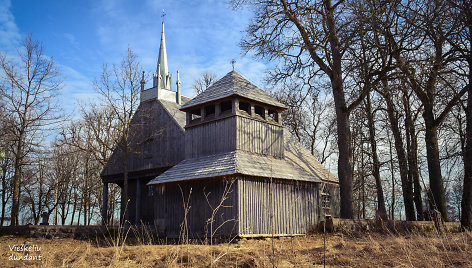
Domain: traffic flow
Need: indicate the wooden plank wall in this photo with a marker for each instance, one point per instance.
(259, 137)
(147, 211)
(157, 141)
(169, 208)
(290, 208)
(210, 138)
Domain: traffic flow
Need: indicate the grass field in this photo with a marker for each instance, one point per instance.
(352, 250)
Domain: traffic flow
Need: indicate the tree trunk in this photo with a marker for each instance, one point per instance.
(434, 167)
(345, 153)
(412, 152)
(407, 187)
(4, 199)
(382, 211)
(413, 171)
(56, 200)
(16, 184)
(466, 204)
(342, 116)
(392, 174)
(74, 206)
(125, 190)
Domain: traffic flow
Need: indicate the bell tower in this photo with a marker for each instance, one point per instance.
(231, 115)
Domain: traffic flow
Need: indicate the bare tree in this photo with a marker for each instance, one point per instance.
(120, 90)
(205, 81)
(6, 162)
(309, 118)
(464, 46)
(418, 42)
(39, 186)
(30, 83)
(382, 211)
(310, 38)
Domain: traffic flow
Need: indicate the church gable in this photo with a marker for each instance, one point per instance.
(157, 138)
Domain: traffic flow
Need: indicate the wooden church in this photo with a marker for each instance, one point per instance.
(221, 163)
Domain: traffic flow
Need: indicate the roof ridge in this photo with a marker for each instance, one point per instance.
(231, 84)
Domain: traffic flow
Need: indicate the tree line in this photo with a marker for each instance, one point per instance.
(51, 161)
(397, 76)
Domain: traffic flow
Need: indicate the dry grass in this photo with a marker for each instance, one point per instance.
(358, 249)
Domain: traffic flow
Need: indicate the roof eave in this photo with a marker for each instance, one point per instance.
(185, 108)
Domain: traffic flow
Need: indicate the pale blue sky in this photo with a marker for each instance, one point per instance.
(81, 35)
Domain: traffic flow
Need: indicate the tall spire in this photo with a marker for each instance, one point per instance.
(162, 68)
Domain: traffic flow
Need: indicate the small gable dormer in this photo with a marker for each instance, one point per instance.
(231, 115)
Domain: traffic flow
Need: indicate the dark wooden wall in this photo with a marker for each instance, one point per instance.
(259, 137)
(169, 210)
(234, 133)
(157, 141)
(147, 211)
(210, 138)
(283, 207)
(254, 207)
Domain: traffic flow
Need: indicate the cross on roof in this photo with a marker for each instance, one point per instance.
(233, 61)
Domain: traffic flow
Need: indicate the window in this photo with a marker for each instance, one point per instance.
(244, 106)
(195, 115)
(209, 111)
(273, 115)
(226, 107)
(150, 190)
(260, 111)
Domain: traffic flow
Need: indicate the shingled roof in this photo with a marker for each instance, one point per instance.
(174, 110)
(232, 84)
(298, 164)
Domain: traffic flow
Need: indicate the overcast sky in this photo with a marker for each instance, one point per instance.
(82, 35)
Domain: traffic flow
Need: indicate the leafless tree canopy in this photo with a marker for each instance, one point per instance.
(205, 81)
(30, 83)
(413, 57)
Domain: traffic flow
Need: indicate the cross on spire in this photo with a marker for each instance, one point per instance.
(233, 61)
(163, 15)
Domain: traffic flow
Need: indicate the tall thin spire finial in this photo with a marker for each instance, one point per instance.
(142, 82)
(233, 61)
(163, 15)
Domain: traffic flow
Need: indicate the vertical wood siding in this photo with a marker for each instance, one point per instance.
(156, 141)
(169, 209)
(147, 212)
(259, 137)
(234, 133)
(283, 207)
(210, 138)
